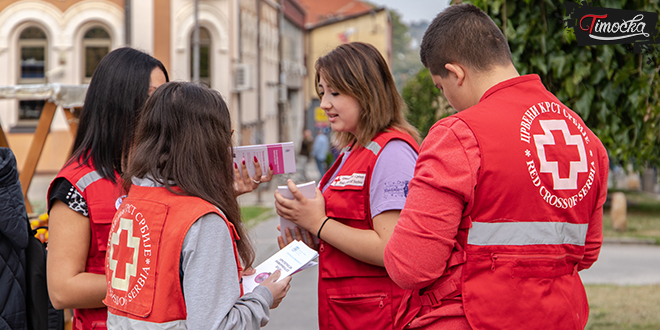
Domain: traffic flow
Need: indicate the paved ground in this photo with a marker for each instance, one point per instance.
(298, 309)
(625, 264)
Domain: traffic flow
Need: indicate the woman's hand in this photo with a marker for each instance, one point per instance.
(243, 183)
(309, 238)
(304, 212)
(278, 289)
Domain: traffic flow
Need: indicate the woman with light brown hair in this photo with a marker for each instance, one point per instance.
(360, 197)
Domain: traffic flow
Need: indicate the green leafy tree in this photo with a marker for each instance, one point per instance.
(425, 103)
(400, 36)
(405, 62)
(614, 90)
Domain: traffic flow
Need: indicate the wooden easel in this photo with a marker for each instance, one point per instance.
(37, 146)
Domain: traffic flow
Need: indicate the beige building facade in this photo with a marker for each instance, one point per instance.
(61, 41)
(374, 27)
(51, 42)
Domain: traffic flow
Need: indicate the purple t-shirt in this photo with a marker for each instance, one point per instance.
(389, 181)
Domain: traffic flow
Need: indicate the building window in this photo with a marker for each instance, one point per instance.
(30, 110)
(33, 48)
(204, 56)
(96, 44)
(33, 44)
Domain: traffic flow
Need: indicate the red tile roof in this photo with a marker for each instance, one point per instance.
(318, 11)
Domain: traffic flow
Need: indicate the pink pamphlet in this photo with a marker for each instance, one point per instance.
(281, 156)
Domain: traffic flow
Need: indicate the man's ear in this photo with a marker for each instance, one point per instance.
(458, 71)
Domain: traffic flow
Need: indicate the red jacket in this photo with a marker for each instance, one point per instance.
(143, 274)
(526, 220)
(101, 196)
(527, 242)
(354, 294)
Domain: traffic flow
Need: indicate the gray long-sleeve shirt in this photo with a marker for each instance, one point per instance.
(209, 281)
(210, 288)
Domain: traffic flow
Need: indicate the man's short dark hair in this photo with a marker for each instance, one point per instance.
(463, 34)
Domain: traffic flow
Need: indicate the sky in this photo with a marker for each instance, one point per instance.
(414, 10)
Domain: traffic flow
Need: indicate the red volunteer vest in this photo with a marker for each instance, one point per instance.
(536, 192)
(101, 195)
(143, 274)
(354, 294)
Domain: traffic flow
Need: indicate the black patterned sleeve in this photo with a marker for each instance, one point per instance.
(65, 192)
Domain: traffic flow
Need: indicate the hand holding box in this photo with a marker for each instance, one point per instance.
(281, 156)
(308, 190)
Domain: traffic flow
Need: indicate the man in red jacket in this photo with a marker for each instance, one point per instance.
(507, 199)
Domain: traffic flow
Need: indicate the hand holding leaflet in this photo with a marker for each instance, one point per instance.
(308, 190)
(281, 156)
(289, 260)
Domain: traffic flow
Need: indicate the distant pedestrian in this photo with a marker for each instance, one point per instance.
(305, 154)
(306, 145)
(320, 150)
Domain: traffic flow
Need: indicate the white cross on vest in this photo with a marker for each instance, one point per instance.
(119, 261)
(552, 167)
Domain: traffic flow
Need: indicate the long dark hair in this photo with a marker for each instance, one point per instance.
(359, 70)
(117, 92)
(183, 140)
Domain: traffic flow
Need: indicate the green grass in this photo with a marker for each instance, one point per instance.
(643, 217)
(640, 201)
(615, 307)
(252, 215)
(628, 307)
(639, 225)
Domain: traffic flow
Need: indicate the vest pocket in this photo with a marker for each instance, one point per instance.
(346, 202)
(541, 266)
(545, 291)
(102, 220)
(360, 311)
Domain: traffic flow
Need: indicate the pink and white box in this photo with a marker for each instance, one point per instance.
(281, 156)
